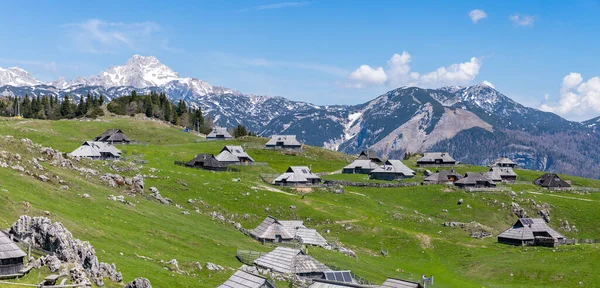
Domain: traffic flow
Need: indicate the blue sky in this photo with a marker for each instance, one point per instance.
(543, 54)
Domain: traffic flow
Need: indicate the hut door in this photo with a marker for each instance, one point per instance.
(277, 238)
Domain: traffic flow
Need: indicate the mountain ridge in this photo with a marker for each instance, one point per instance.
(405, 119)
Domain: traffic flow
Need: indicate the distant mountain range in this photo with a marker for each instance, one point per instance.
(475, 124)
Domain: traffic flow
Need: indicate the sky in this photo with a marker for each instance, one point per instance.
(543, 54)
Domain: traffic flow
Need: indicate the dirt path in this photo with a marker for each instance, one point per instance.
(272, 189)
(566, 197)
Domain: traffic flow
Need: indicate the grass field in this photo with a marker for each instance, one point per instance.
(405, 222)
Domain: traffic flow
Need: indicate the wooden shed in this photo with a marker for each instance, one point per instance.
(292, 261)
(551, 181)
(243, 279)
(113, 136)
(530, 231)
(436, 159)
(288, 142)
(11, 257)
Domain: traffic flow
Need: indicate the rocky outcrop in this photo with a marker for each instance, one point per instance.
(139, 283)
(156, 194)
(41, 233)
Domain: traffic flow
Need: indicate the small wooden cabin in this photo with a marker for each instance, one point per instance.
(11, 257)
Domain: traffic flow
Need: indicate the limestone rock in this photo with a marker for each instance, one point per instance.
(139, 283)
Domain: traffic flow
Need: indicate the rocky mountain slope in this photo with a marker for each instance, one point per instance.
(476, 124)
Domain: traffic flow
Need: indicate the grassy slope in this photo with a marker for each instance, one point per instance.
(379, 218)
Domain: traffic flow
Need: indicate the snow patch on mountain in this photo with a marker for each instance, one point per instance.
(18, 77)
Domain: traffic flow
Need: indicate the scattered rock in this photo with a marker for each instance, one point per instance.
(214, 267)
(53, 263)
(85, 195)
(139, 283)
(460, 201)
(78, 276)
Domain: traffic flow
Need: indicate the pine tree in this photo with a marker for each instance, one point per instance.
(80, 111)
(25, 107)
(167, 116)
(66, 108)
(148, 106)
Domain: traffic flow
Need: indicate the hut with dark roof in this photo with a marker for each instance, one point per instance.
(300, 176)
(392, 170)
(243, 279)
(530, 231)
(113, 136)
(11, 257)
(502, 174)
(206, 162)
(442, 177)
(551, 181)
(475, 180)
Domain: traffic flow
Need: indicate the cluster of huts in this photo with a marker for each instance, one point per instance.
(229, 155)
(287, 142)
(102, 147)
(292, 261)
(369, 163)
(272, 230)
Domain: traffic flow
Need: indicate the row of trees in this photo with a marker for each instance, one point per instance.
(157, 105)
(49, 107)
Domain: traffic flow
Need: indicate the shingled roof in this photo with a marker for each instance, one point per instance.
(504, 162)
(442, 176)
(431, 157)
(287, 140)
(233, 154)
(112, 135)
(474, 178)
(362, 163)
(310, 236)
(243, 279)
(551, 180)
(298, 174)
(369, 155)
(525, 228)
(206, 160)
(96, 149)
(399, 283)
(219, 133)
(271, 227)
(8, 248)
(395, 167)
(291, 261)
(498, 173)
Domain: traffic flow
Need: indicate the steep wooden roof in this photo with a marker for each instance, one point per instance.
(243, 279)
(8, 248)
(524, 228)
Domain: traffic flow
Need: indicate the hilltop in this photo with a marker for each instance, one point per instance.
(405, 222)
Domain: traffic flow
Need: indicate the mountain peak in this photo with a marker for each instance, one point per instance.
(16, 76)
(139, 59)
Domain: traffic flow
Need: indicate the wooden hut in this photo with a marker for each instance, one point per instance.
(206, 162)
(530, 231)
(370, 155)
(96, 150)
(11, 257)
(436, 159)
(360, 166)
(219, 133)
(475, 180)
(502, 174)
(504, 162)
(113, 136)
(551, 181)
(300, 176)
(243, 279)
(392, 170)
(234, 155)
(442, 177)
(273, 230)
(288, 142)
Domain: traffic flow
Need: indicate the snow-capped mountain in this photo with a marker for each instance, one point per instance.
(16, 76)
(475, 124)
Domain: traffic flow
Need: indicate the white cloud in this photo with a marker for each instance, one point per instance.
(98, 36)
(277, 6)
(578, 98)
(365, 76)
(522, 20)
(477, 15)
(399, 73)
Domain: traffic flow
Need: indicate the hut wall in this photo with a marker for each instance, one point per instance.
(384, 176)
(510, 241)
(11, 266)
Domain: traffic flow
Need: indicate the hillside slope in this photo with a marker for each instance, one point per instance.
(406, 222)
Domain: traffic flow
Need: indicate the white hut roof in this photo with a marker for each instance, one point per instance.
(499, 172)
(364, 164)
(8, 248)
(288, 260)
(505, 161)
(399, 283)
(232, 154)
(95, 149)
(288, 140)
(432, 156)
(219, 131)
(396, 167)
(297, 174)
(243, 279)
(310, 236)
(524, 228)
